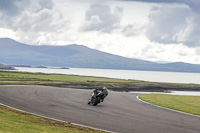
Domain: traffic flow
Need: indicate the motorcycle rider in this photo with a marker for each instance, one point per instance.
(102, 92)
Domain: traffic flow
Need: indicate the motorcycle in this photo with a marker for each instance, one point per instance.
(94, 100)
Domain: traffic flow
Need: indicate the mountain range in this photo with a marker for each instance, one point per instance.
(79, 56)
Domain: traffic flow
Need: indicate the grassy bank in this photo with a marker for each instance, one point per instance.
(188, 104)
(12, 121)
(84, 82)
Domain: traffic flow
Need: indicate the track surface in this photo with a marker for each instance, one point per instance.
(120, 112)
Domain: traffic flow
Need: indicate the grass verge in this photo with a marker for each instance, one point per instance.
(188, 104)
(12, 121)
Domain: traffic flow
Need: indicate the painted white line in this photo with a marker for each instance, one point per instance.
(166, 108)
(57, 119)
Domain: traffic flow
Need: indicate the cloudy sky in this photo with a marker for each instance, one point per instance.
(153, 30)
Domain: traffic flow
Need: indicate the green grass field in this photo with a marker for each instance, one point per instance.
(188, 104)
(59, 80)
(12, 121)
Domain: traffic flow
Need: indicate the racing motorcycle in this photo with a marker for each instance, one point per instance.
(95, 99)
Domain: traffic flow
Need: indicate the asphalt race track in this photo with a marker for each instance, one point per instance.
(120, 112)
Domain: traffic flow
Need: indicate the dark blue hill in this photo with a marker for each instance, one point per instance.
(13, 52)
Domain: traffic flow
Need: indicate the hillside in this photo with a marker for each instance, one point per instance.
(13, 52)
(6, 67)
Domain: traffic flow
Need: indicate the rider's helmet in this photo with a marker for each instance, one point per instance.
(104, 88)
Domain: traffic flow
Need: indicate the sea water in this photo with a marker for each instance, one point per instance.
(155, 76)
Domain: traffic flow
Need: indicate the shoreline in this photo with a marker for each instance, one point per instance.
(88, 82)
(146, 76)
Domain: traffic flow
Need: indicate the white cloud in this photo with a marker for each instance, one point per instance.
(4, 33)
(118, 27)
(174, 21)
(166, 21)
(100, 17)
(35, 21)
(170, 53)
(9, 7)
(132, 30)
(37, 16)
(174, 24)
